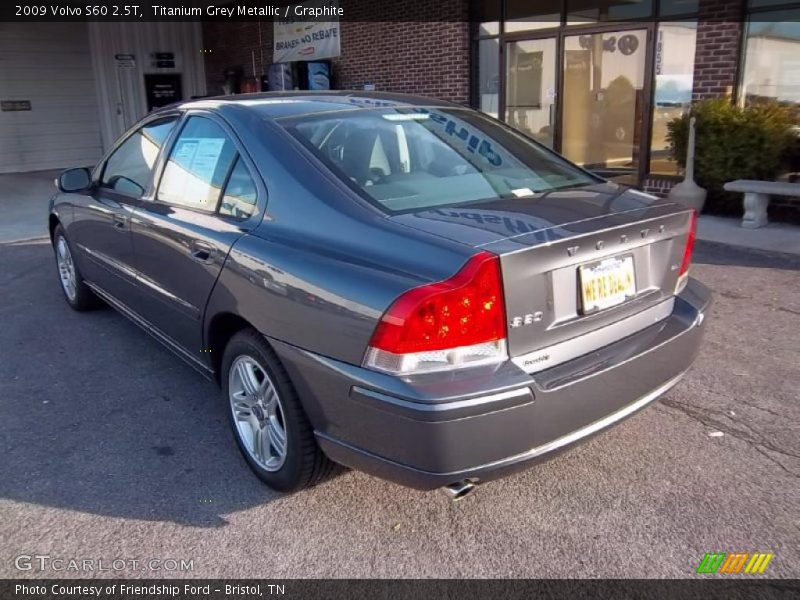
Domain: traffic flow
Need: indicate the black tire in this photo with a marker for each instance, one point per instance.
(304, 464)
(83, 298)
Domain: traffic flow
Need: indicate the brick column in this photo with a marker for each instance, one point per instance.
(719, 30)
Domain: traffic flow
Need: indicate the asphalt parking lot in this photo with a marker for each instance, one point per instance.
(113, 448)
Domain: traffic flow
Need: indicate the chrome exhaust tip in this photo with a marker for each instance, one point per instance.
(460, 489)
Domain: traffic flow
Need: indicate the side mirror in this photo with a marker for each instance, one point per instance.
(74, 180)
(126, 185)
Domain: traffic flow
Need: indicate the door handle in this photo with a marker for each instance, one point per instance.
(202, 251)
(120, 221)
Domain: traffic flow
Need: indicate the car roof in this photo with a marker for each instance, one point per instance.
(276, 105)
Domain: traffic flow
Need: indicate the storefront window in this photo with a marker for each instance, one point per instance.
(670, 8)
(581, 11)
(586, 92)
(489, 76)
(764, 3)
(531, 88)
(772, 58)
(523, 15)
(487, 14)
(673, 79)
(604, 99)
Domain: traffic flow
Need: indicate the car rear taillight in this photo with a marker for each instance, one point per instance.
(454, 323)
(683, 274)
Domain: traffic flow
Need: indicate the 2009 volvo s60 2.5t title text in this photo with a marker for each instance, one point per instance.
(396, 284)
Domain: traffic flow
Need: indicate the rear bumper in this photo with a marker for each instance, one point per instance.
(433, 430)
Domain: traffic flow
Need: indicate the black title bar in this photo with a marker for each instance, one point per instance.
(31, 11)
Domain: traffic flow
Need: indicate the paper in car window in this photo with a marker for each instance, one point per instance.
(190, 174)
(200, 156)
(184, 152)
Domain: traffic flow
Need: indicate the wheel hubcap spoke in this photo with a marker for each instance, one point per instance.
(260, 448)
(241, 409)
(270, 401)
(248, 378)
(277, 436)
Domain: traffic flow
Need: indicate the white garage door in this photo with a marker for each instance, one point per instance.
(48, 65)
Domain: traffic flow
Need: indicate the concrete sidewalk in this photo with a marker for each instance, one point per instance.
(23, 204)
(774, 237)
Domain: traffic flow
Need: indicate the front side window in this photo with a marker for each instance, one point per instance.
(198, 166)
(129, 168)
(418, 158)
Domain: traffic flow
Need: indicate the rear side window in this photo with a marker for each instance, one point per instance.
(239, 199)
(129, 168)
(407, 159)
(198, 166)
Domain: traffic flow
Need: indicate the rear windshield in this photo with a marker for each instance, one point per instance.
(408, 159)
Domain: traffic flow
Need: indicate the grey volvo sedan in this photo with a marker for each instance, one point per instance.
(392, 283)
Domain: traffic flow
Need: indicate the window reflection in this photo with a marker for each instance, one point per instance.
(591, 11)
(772, 58)
(674, 77)
(523, 15)
(487, 14)
(489, 76)
(239, 199)
(197, 166)
(677, 7)
(764, 3)
(604, 98)
(531, 88)
(129, 168)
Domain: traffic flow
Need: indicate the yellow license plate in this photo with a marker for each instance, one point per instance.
(606, 283)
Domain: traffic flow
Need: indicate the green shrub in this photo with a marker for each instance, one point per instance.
(733, 143)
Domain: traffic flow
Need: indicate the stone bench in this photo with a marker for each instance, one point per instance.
(756, 198)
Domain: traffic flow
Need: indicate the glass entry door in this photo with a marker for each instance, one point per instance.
(604, 100)
(531, 88)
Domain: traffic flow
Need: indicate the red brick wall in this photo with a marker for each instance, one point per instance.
(429, 56)
(719, 31)
(234, 45)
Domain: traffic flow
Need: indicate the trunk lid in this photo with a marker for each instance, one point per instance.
(543, 241)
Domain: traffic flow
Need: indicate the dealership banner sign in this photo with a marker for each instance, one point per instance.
(298, 38)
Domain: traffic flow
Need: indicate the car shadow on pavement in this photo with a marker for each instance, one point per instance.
(97, 417)
(713, 253)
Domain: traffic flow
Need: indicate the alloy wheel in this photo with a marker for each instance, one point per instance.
(257, 412)
(66, 269)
